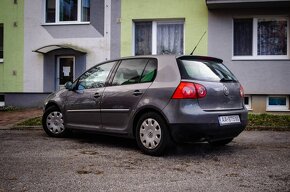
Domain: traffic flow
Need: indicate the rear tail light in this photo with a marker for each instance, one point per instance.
(242, 93)
(187, 90)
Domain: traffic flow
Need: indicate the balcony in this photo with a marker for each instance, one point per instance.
(221, 4)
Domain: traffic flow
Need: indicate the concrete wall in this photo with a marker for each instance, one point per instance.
(115, 29)
(11, 69)
(94, 38)
(193, 11)
(257, 76)
(24, 100)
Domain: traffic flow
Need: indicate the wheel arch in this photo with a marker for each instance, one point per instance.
(50, 104)
(147, 110)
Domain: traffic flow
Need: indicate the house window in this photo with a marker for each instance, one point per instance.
(2, 100)
(159, 37)
(277, 103)
(1, 42)
(248, 102)
(261, 38)
(67, 11)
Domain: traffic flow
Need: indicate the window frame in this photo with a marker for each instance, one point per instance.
(279, 107)
(57, 15)
(249, 105)
(255, 55)
(2, 59)
(154, 33)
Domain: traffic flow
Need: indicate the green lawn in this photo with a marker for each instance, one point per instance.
(269, 122)
(256, 122)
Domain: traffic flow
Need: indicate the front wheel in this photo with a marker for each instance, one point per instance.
(52, 122)
(152, 134)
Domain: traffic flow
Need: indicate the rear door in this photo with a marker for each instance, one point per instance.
(131, 80)
(82, 107)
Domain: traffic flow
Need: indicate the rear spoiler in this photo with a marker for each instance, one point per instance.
(195, 57)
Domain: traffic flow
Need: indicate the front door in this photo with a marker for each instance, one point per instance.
(65, 70)
(82, 107)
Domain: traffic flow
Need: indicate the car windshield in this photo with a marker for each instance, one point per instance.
(205, 71)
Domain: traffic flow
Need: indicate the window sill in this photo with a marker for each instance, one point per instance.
(261, 58)
(277, 110)
(66, 23)
(1, 60)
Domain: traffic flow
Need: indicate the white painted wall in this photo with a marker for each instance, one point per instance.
(36, 35)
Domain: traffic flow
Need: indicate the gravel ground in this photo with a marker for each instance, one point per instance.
(31, 161)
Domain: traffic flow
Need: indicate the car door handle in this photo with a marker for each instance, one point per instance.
(97, 95)
(137, 92)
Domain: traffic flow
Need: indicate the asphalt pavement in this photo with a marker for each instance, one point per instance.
(32, 161)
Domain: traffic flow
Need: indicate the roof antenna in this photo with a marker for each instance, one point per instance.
(198, 43)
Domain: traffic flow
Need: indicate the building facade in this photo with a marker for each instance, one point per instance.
(45, 43)
(163, 27)
(59, 40)
(11, 47)
(252, 37)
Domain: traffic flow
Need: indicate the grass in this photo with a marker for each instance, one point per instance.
(268, 122)
(36, 121)
(256, 122)
(8, 108)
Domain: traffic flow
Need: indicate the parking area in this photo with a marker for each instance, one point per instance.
(31, 161)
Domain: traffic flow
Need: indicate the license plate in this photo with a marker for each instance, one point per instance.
(226, 120)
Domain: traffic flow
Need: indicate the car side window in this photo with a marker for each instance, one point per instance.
(129, 71)
(95, 77)
(149, 72)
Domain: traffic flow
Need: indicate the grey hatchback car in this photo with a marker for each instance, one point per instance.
(154, 99)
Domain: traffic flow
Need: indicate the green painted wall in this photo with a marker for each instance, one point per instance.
(194, 12)
(11, 70)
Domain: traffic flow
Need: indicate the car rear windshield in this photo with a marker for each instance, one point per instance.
(205, 71)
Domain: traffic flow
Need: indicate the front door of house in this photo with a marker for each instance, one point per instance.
(65, 70)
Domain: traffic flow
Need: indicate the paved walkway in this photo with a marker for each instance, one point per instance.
(9, 118)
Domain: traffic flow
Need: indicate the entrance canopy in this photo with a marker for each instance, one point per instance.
(48, 48)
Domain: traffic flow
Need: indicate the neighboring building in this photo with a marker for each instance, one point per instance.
(252, 37)
(11, 48)
(56, 42)
(163, 27)
(44, 43)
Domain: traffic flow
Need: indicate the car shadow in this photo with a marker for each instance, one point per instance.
(181, 149)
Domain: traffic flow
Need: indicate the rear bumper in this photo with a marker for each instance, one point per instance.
(188, 122)
(207, 132)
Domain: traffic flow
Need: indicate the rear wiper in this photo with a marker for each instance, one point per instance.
(227, 80)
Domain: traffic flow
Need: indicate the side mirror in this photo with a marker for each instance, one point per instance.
(68, 85)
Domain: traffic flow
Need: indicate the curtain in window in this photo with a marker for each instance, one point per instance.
(243, 37)
(272, 37)
(169, 38)
(143, 38)
(50, 11)
(1, 40)
(68, 10)
(85, 10)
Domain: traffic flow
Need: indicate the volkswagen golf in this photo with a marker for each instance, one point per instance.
(153, 99)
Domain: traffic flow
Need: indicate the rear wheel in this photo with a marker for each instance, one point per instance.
(52, 122)
(221, 142)
(152, 134)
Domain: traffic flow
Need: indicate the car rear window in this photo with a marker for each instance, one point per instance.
(204, 70)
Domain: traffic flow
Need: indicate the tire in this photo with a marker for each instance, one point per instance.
(221, 142)
(52, 122)
(152, 134)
